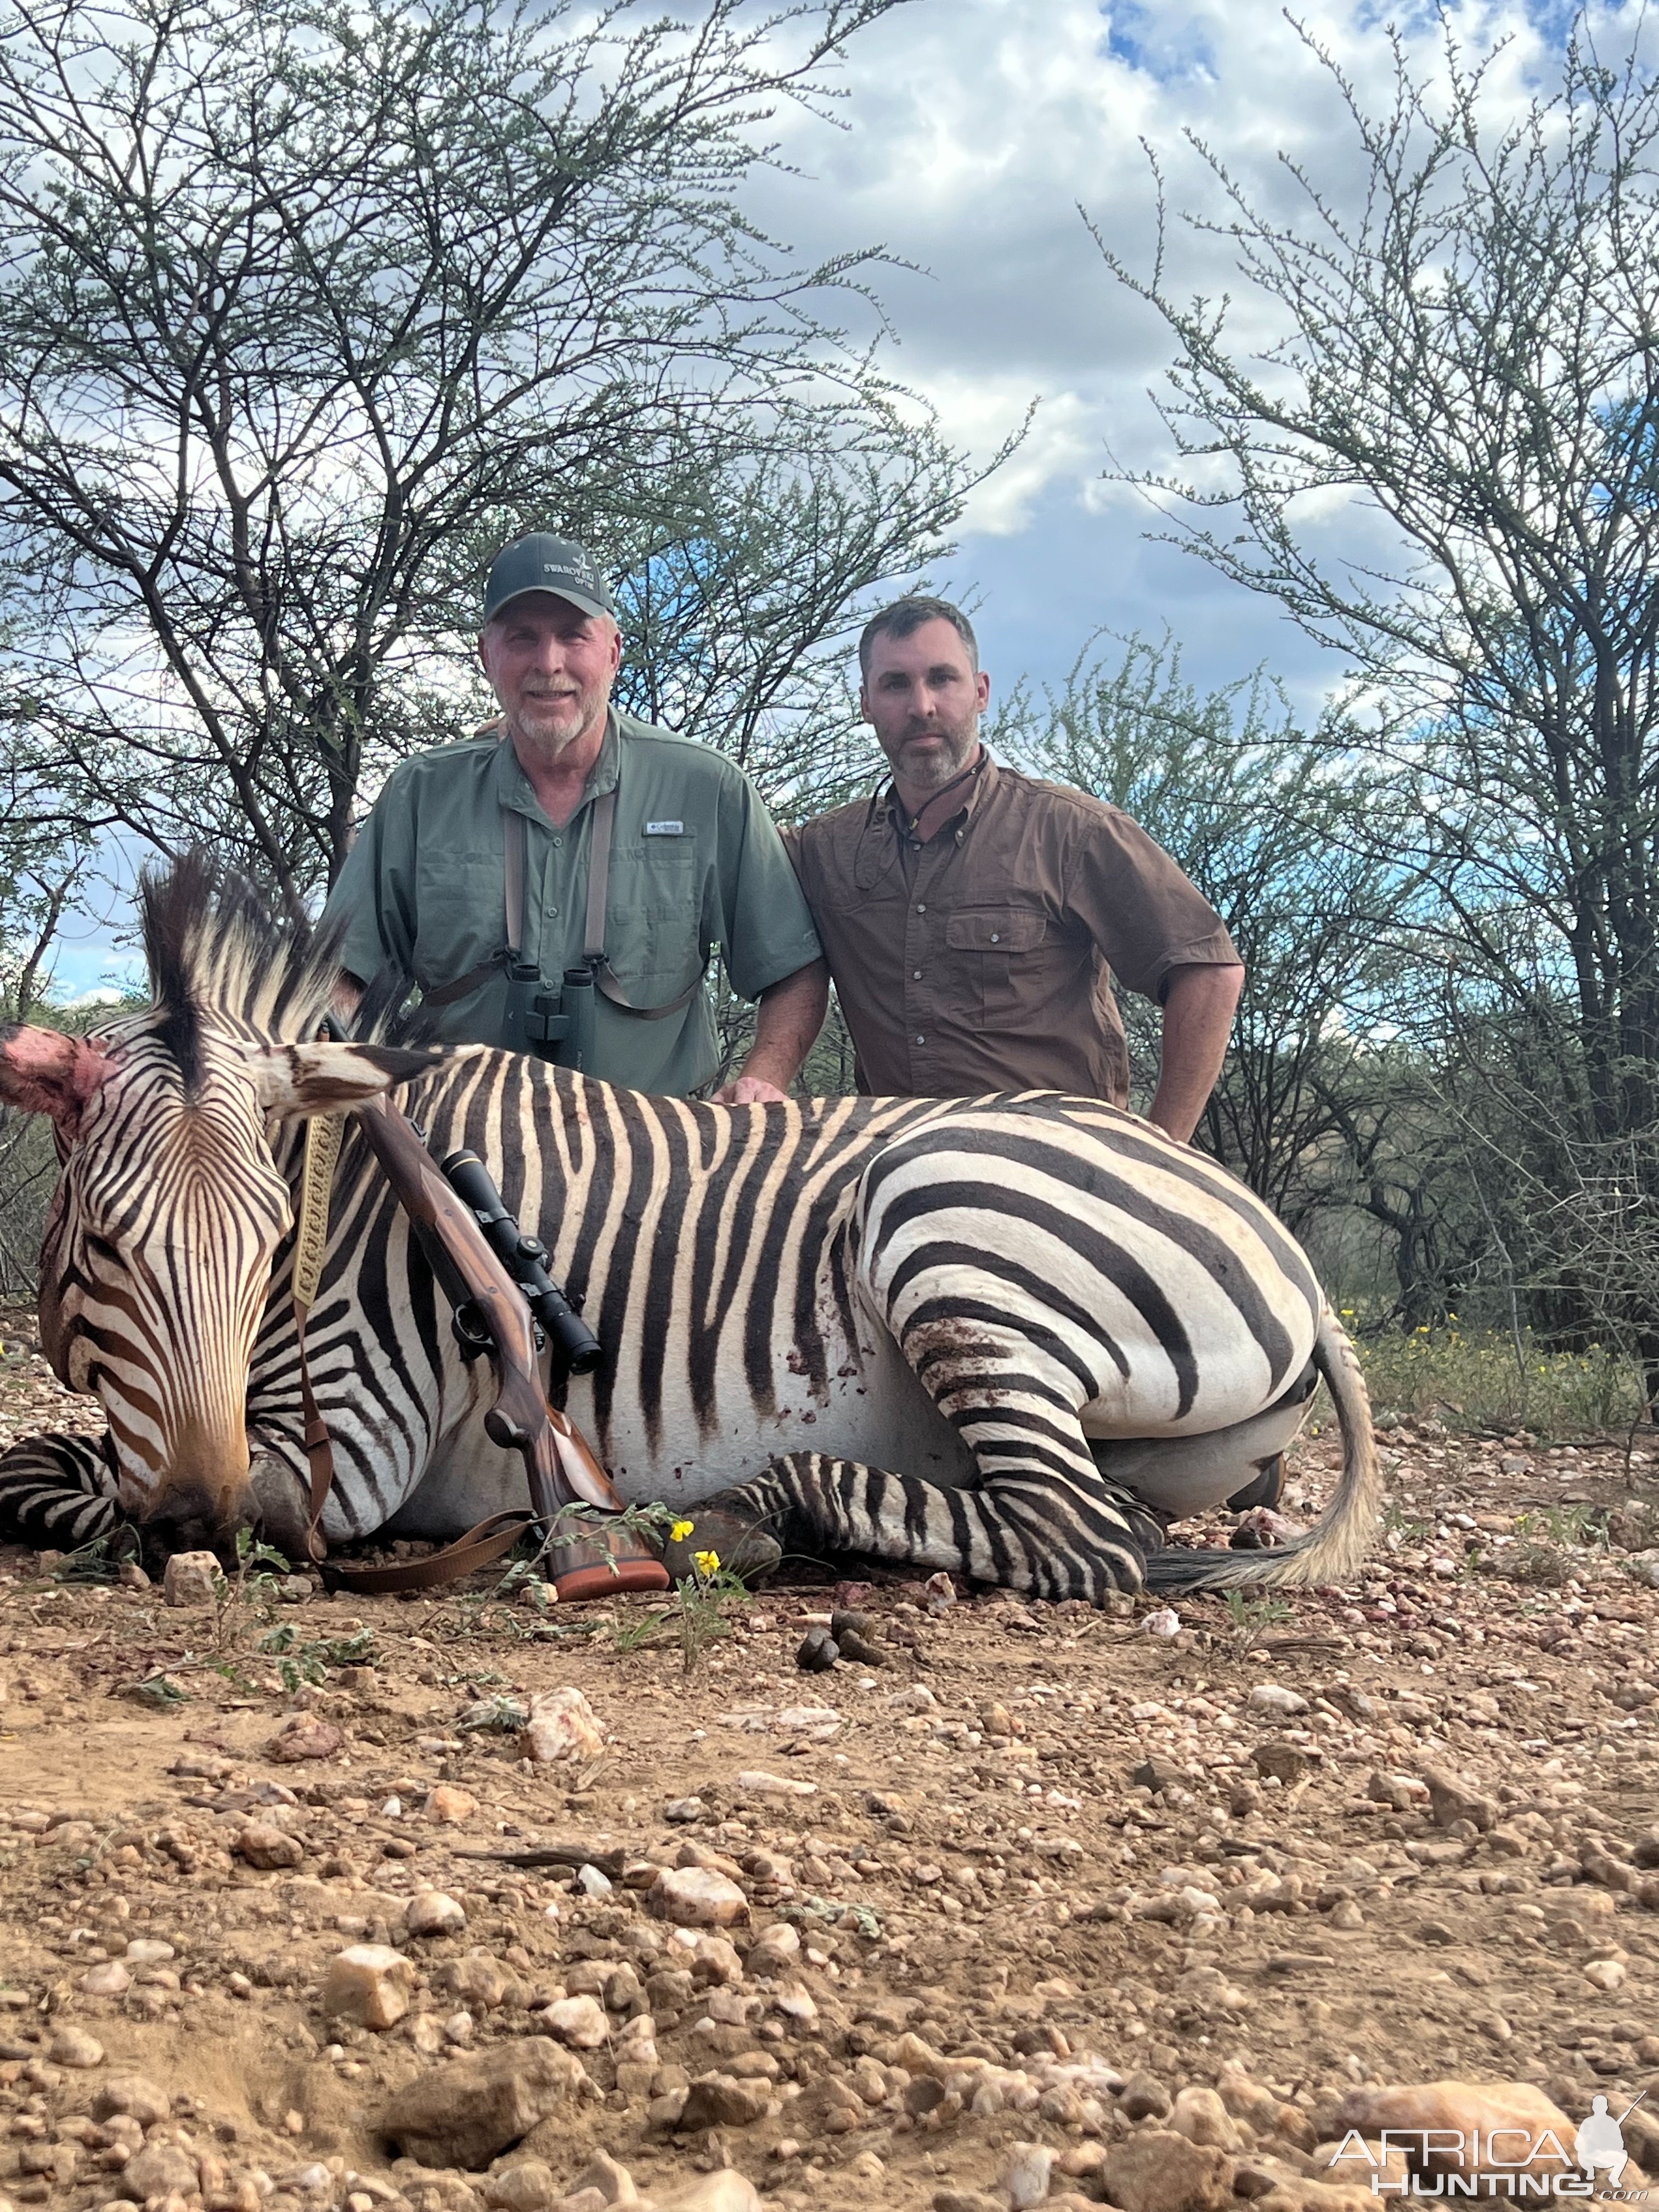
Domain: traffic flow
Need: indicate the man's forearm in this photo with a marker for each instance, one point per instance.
(1199, 1005)
(790, 1016)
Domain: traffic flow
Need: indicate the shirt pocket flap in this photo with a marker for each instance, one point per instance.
(995, 929)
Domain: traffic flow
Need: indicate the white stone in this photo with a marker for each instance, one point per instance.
(1025, 2178)
(755, 1783)
(794, 1720)
(776, 1947)
(1270, 1697)
(110, 1980)
(725, 2191)
(698, 1896)
(579, 2021)
(561, 1725)
(368, 1982)
(526, 2186)
(793, 2000)
(149, 1950)
(431, 1913)
(1645, 1565)
(591, 1881)
(614, 2182)
(73, 2046)
(192, 1579)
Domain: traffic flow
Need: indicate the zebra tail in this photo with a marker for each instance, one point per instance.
(1330, 1551)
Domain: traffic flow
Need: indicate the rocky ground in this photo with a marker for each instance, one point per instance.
(316, 1902)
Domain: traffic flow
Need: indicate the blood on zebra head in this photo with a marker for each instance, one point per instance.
(172, 1205)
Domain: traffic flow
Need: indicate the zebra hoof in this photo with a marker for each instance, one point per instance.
(279, 1508)
(742, 1546)
(1266, 1490)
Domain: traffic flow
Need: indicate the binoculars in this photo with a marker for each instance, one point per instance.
(555, 1025)
(575, 1348)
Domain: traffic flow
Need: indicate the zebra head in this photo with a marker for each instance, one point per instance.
(174, 1193)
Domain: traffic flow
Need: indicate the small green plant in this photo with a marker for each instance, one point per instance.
(309, 1662)
(100, 1561)
(505, 1715)
(1546, 1541)
(1397, 1521)
(703, 1598)
(250, 1587)
(1248, 1617)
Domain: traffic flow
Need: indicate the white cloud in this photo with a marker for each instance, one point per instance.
(976, 128)
(1061, 443)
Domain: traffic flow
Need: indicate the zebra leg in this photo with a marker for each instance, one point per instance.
(57, 1492)
(1018, 1527)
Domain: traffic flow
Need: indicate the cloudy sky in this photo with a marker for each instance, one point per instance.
(974, 131)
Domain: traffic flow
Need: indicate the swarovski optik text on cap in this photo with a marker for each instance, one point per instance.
(541, 562)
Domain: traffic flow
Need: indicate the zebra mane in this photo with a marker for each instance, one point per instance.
(214, 948)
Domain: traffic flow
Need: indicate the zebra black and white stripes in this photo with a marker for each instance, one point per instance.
(999, 1335)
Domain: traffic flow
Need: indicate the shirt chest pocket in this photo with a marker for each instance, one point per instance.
(994, 953)
(461, 909)
(653, 916)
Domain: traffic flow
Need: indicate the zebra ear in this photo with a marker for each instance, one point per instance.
(326, 1078)
(44, 1072)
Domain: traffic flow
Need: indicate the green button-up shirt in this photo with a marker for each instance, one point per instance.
(694, 862)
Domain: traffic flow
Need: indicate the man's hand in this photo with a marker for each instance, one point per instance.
(749, 1091)
(791, 1015)
(1198, 1017)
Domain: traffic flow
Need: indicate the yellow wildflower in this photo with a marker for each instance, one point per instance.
(680, 1531)
(708, 1563)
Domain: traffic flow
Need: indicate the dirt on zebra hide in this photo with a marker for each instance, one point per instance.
(1010, 1903)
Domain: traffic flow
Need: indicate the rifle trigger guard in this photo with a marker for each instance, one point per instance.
(505, 1432)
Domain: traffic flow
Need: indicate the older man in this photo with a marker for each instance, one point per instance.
(556, 885)
(973, 918)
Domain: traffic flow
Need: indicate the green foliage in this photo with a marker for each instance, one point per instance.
(1249, 1617)
(1463, 346)
(1480, 1379)
(1293, 852)
(1546, 1543)
(303, 314)
(308, 1660)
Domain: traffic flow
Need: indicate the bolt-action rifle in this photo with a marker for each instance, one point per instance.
(492, 1314)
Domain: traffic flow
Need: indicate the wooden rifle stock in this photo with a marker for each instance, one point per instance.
(562, 1466)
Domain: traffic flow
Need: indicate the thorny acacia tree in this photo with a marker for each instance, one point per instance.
(305, 308)
(1290, 857)
(1473, 351)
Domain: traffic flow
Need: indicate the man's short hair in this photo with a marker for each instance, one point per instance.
(907, 615)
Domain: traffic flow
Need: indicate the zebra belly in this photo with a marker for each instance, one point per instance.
(880, 1415)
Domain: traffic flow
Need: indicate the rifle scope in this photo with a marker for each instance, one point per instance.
(575, 1348)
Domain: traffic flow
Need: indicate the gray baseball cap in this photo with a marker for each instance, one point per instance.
(541, 562)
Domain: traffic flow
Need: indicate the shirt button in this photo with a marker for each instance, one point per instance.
(552, 909)
(915, 974)
(995, 940)
(920, 907)
(558, 840)
(921, 1040)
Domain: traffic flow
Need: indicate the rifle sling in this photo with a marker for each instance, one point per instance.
(482, 1544)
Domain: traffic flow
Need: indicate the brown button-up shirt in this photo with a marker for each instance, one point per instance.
(977, 953)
